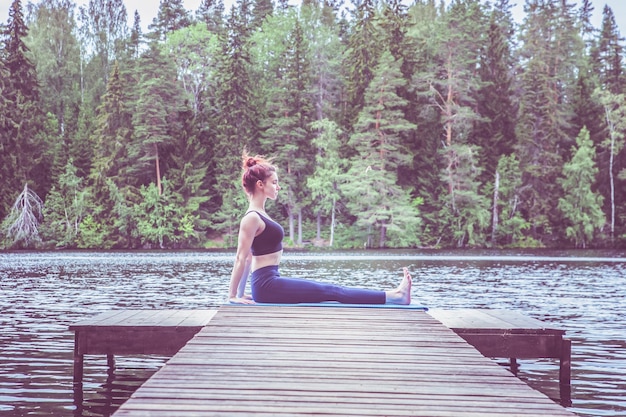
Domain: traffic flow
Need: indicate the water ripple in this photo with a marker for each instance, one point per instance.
(43, 293)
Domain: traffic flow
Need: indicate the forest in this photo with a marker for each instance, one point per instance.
(391, 125)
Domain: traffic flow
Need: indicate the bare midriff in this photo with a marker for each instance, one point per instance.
(270, 259)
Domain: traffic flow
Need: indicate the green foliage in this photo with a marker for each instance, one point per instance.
(441, 124)
(370, 185)
(323, 183)
(64, 209)
(581, 206)
(508, 225)
(158, 217)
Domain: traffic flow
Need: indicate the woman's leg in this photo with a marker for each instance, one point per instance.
(269, 287)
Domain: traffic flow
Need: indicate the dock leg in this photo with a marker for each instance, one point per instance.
(78, 361)
(111, 364)
(565, 373)
(514, 366)
(78, 375)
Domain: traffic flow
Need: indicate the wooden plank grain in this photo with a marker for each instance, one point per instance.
(321, 361)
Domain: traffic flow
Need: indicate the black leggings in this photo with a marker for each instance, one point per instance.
(269, 287)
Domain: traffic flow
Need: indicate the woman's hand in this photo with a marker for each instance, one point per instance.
(246, 299)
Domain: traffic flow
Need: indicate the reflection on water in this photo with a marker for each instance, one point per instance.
(43, 293)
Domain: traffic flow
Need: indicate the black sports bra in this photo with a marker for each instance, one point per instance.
(271, 238)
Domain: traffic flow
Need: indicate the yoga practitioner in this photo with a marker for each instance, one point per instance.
(259, 249)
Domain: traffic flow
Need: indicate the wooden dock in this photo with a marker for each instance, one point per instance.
(509, 334)
(133, 332)
(301, 361)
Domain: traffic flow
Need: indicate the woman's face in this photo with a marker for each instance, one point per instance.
(271, 187)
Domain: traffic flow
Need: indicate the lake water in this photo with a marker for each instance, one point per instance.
(583, 293)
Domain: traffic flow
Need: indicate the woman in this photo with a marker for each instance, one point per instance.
(259, 250)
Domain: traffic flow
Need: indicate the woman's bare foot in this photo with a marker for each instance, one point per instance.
(402, 294)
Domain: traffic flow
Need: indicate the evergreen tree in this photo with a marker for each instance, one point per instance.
(546, 108)
(288, 122)
(113, 187)
(211, 12)
(171, 17)
(157, 216)
(371, 186)
(235, 116)
(155, 119)
(136, 38)
(464, 210)
(508, 224)
(187, 175)
(580, 205)
(609, 54)
(64, 209)
(324, 53)
(20, 142)
(494, 133)
(424, 39)
(452, 86)
(261, 10)
(324, 182)
(361, 57)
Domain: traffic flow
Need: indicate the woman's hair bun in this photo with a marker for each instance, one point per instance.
(250, 162)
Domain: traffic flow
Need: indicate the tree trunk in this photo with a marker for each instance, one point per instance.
(299, 226)
(158, 169)
(318, 234)
(332, 225)
(496, 198)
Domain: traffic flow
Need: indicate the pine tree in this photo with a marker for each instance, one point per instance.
(20, 142)
(361, 58)
(371, 184)
(136, 38)
(235, 116)
(187, 175)
(171, 17)
(551, 49)
(580, 205)
(112, 186)
(452, 83)
(508, 224)
(324, 53)
(494, 133)
(211, 12)
(609, 54)
(288, 134)
(155, 118)
(261, 10)
(324, 182)
(64, 209)
(424, 38)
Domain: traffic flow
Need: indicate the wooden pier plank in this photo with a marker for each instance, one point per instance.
(334, 362)
(510, 334)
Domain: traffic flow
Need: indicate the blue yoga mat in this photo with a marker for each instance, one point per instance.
(334, 304)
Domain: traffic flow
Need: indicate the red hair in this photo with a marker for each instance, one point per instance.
(255, 168)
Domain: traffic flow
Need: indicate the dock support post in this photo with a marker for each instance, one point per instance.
(111, 363)
(565, 373)
(78, 361)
